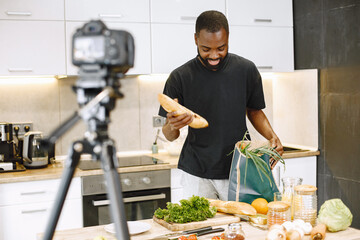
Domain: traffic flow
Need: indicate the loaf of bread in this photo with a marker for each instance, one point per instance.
(172, 106)
(233, 207)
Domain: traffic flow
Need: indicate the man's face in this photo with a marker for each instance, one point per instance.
(212, 47)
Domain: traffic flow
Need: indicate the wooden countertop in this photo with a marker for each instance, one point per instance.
(54, 171)
(252, 233)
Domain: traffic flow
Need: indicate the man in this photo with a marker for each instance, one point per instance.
(223, 88)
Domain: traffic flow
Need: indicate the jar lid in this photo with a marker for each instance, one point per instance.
(305, 188)
(279, 205)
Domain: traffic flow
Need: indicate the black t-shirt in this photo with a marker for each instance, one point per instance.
(221, 97)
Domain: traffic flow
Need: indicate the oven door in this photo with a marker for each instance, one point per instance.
(138, 205)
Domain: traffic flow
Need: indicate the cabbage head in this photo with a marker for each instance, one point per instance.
(335, 215)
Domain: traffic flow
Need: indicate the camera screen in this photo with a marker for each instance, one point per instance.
(89, 49)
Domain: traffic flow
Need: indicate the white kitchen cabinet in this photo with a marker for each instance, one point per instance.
(270, 48)
(176, 186)
(141, 34)
(32, 10)
(260, 12)
(32, 47)
(303, 167)
(25, 208)
(182, 11)
(107, 10)
(172, 46)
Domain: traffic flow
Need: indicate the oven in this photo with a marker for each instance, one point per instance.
(143, 193)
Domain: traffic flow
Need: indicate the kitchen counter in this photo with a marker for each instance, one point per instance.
(252, 233)
(54, 171)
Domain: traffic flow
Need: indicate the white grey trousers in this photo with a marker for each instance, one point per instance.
(203, 187)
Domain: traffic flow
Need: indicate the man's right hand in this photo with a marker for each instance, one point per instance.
(176, 122)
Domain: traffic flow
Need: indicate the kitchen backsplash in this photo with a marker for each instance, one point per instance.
(291, 106)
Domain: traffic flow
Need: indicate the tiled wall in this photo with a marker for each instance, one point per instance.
(51, 103)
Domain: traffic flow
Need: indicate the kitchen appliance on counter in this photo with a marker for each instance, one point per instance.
(6, 142)
(34, 155)
(143, 192)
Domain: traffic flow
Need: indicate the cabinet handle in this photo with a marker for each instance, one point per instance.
(18, 13)
(111, 15)
(262, 20)
(101, 203)
(20, 69)
(188, 18)
(264, 67)
(32, 193)
(33, 211)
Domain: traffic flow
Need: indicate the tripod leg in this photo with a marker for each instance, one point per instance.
(117, 209)
(70, 165)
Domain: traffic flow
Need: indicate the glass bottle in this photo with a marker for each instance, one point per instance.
(278, 213)
(234, 232)
(305, 203)
(289, 184)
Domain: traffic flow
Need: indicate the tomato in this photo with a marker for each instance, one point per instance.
(192, 237)
(182, 238)
(222, 236)
(215, 238)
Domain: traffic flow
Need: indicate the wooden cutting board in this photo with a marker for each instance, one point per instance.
(219, 219)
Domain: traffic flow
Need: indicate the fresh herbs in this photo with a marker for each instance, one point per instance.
(254, 154)
(194, 209)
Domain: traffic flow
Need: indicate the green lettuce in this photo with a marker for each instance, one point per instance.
(193, 209)
(335, 215)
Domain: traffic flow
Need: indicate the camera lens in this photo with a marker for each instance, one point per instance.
(92, 28)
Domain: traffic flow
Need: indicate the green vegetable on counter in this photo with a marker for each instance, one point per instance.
(335, 215)
(194, 209)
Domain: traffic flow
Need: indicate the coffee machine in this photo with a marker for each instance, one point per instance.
(6, 142)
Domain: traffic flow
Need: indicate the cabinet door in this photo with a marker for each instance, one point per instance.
(260, 12)
(182, 11)
(107, 10)
(141, 34)
(32, 48)
(303, 167)
(32, 9)
(172, 46)
(25, 221)
(270, 48)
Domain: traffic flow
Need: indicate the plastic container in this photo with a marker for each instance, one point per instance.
(278, 213)
(305, 203)
(289, 184)
(234, 232)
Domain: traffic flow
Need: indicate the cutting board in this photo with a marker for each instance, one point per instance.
(219, 219)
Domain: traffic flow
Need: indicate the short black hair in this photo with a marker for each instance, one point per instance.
(212, 21)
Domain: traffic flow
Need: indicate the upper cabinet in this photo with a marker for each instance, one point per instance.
(32, 10)
(182, 11)
(260, 12)
(107, 10)
(172, 31)
(262, 31)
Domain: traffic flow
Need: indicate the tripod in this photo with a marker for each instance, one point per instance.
(96, 92)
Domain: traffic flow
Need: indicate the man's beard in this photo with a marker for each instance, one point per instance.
(208, 65)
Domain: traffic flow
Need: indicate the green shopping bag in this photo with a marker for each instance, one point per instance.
(246, 182)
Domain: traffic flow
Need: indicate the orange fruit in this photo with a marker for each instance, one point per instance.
(261, 205)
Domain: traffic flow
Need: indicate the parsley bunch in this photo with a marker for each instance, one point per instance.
(194, 209)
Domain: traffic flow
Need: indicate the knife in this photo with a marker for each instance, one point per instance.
(197, 232)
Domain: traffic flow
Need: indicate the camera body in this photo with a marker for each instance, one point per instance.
(95, 44)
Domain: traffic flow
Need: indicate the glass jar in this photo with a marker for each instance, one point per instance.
(278, 213)
(234, 232)
(305, 203)
(289, 184)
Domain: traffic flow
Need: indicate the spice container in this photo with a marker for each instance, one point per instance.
(278, 213)
(305, 203)
(234, 232)
(289, 184)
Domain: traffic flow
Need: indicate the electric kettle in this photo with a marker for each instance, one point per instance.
(34, 155)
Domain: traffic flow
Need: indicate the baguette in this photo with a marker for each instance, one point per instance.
(172, 106)
(233, 207)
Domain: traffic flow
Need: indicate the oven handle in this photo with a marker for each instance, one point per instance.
(131, 199)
